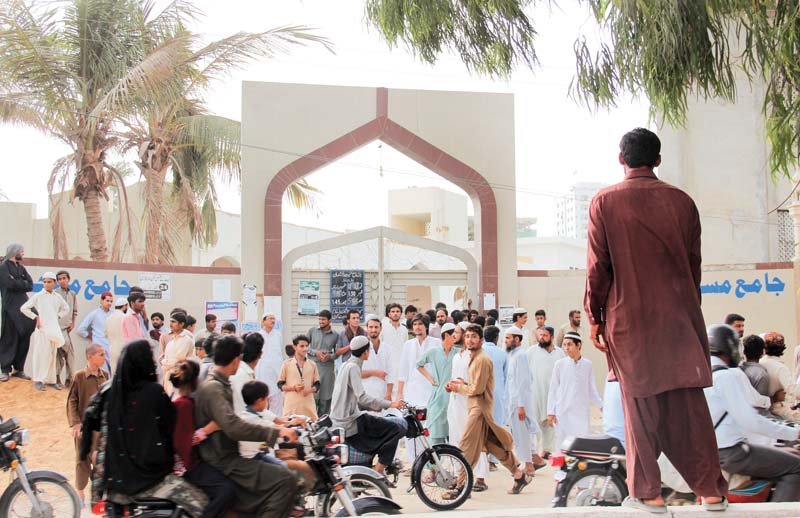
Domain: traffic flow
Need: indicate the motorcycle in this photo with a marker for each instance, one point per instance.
(592, 473)
(441, 475)
(339, 491)
(35, 494)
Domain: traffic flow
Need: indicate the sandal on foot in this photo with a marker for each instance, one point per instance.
(637, 503)
(716, 506)
(479, 487)
(519, 484)
(537, 467)
(452, 494)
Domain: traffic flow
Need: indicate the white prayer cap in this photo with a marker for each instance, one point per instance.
(372, 316)
(48, 275)
(267, 314)
(520, 311)
(514, 330)
(572, 335)
(358, 344)
(464, 325)
(121, 301)
(448, 326)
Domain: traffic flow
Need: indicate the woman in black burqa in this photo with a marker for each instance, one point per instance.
(139, 453)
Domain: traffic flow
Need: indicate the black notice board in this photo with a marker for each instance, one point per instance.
(347, 292)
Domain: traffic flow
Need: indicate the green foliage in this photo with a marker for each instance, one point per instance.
(491, 36)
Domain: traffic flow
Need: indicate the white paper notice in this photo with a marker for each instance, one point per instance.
(250, 302)
(489, 301)
(221, 288)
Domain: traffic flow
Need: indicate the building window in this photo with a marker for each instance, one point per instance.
(786, 244)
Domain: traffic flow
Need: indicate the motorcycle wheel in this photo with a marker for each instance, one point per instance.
(56, 496)
(583, 490)
(429, 485)
(372, 510)
(363, 485)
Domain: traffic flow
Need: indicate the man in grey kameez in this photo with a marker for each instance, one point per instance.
(322, 351)
(265, 489)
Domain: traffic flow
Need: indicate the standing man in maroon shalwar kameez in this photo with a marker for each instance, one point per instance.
(643, 304)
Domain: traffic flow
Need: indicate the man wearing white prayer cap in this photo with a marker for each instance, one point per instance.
(50, 308)
(519, 318)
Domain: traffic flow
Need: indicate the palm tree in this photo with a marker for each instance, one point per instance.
(64, 70)
(177, 137)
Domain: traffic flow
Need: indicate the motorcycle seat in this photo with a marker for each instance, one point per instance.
(596, 444)
(8, 425)
(154, 503)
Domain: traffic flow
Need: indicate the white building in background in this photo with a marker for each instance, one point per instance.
(429, 212)
(572, 211)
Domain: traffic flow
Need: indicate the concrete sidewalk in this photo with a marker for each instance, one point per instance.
(781, 510)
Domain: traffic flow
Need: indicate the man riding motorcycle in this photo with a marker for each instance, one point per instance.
(733, 421)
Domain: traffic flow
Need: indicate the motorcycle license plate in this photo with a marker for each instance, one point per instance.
(560, 475)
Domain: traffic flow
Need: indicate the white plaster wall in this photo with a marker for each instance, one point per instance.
(478, 129)
(447, 210)
(720, 158)
(280, 123)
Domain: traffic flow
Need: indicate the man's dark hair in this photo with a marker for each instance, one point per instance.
(228, 326)
(157, 315)
(410, 309)
(773, 346)
(63, 272)
(300, 338)
(753, 347)
(177, 310)
(136, 297)
(540, 313)
(431, 315)
(733, 317)
(422, 317)
(136, 289)
(440, 305)
(481, 321)
(516, 316)
(289, 350)
(474, 328)
(352, 312)
(200, 343)
(208, 344)
(490, 321)
(442, 309)
(491, 333)
(190, 320)
(574, 312)
(456, 315)
(254, 390)
(179, 318)
(493, 313)
(640, 148)
(253, 346)
(391, 306)
(210, 317)
(325, 314)
(227, 349)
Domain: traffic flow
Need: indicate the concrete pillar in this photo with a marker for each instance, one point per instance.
(794, 210)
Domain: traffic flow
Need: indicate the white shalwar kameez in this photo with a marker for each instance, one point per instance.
(572, 392)
(51, 307)
(269, 367)
(417, 390)
(541, 364)
(378, 361)
(457, 411)
(519, 395)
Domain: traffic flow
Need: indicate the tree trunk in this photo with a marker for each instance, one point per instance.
(98, 248)
(154, 205)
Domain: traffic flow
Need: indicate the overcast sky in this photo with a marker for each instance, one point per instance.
(557, 141)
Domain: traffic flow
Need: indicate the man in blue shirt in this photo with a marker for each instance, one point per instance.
(733, 418)
(93, 326)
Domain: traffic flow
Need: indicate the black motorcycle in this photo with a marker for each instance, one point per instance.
(35, 494)
(592, 473)
(441, 475)
(322, 448)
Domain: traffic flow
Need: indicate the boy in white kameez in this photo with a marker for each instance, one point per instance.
(572, 391)
(51, 308)
(520, 410)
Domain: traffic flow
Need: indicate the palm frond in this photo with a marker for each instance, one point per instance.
(21, 110)
(303, 195)
(216, 138)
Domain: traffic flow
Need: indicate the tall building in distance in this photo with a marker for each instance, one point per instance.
(572, 211)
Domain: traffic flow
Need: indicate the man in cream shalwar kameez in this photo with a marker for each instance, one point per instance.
(572, 392)
(542, 358)
(520, 410)
(482, 433)
(51, 307)
(413, 388)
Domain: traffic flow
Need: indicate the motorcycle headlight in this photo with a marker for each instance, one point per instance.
(344, 454)
(23, 437)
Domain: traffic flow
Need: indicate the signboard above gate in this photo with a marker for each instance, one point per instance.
(347, 292)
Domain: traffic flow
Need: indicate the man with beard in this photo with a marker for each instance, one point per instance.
(377, 367)
(351, 329)
(65, 355)
(394, 334)
(542, 360)
(15, 283)
(482, 433)
(574, 326)
(520, 410)
(322, 351)
(435, 330)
